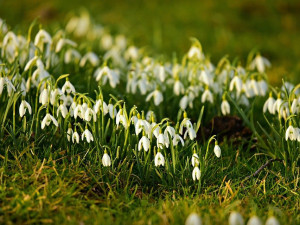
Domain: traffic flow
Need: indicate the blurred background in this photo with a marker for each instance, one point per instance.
(223, 27)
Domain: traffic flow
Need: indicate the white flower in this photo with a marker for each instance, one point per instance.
(121, 118)
(295, 106)
(236, 219)
(176, 140)
(291, 133)
(106, 73)
(196, 173)
(75, 137)
(72, 55)
(68, 87)
(193, 219)
(44, 96)
(189, 129)
(47, 120)
(160, 142)
(204, 77)
(42, 38)
(263, 87)
(112, 111)
(62, 42)
(195, 159)
(23, 107)
(269, 105)
(89, 114)
(159, 160)
(272, 221)
(237, 83)
(2, 82)
(260, 63)
(195, 52)
(63, 110)
(254, 220)
(69, 133)
(98, 107)
(207, 96)
(178, 88)
(217, 150)
(277, 105)
(169, 130)
(144, 143)
(106, 161)
(89, 57)
(157, 95)
(184, 102)
(87, 135)
(78, 111)
(225, 107)
(54, 96)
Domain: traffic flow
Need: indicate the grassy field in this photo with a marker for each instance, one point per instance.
(47, 179)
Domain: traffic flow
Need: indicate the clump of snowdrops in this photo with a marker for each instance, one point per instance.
(74, 89)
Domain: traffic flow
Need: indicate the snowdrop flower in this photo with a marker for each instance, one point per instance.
(196, 173)
(193, 219)
(157, 95)
(121, 118)
(75, 137)
(62, 109)
(89, 57)
(195, 52)
(269, 105)
(161, 73)
(263, 87)
(236, 219)
(159, 160)
(217, 150)
(68, 87)
(295, 108)
(87, 135)
(42, 38)
(78, 112)
(10, 46)
(2, 82)
(176, 140)
(112, 111)
(254, 220)
(106, 73)
(225, 107)
(169, 130)
(47, 120)
(189, 128)
(69, 133)
(54, 96)
(44, 96)
(132, 53)
(62, 42)
(277, 104)
(184, 102)
(23, 107)
(144, 143)
(106, 161)
(204, 77)
(254, 85)
(207, 96)
(291, 133)
(236, 83)
(161, 141)
(153, 130)
(97, 107)
(261, 63)
(72, 55)
(89, 114)
(272, 221)
(178, 87)
(195, 159)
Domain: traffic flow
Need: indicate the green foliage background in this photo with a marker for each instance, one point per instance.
(223, 27)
